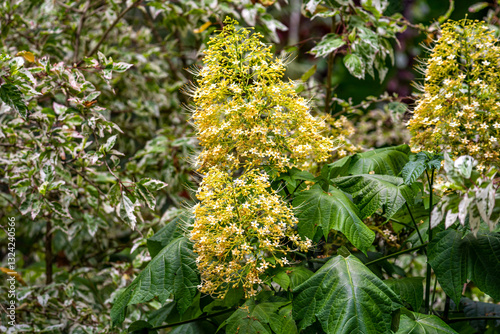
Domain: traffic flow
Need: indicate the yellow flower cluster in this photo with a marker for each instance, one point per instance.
(247, 118)
(241, 229)
(245, 115)
(460, 108)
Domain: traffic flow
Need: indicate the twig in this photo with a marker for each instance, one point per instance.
(416, 227)
(79, 30)
(191, 320)
(118, 18)
(471, 319)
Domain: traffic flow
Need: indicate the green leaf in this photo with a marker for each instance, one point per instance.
(355, 65)
(412, 170)
(105, 148)
(309, 73)
(139, 327)
(174, 229)
(92, 224)
(480, 309)
(127, 211)
(410, 289)
(478, 7)
(372, 192)
(172, 271)
(417, 323)
(329, 43)
(283, 322)
(387, 161)
(455, 259)
(252, 317)
(121, 67)
(12, 96)
(114, 194)
(152, 184)
(345, 297)
(331, 210)
(143, 193)
(291, 277)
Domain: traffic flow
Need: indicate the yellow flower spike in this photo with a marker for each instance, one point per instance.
(245, 115)
(239, 226)
(460, 107)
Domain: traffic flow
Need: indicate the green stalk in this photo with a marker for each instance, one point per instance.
(416, 227)
(428, 271)
(190, 320)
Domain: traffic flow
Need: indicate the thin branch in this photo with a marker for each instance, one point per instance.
(416, 227)
(79, 30)
(323, 260)
(396, 254)
(118, 18)
(472, 318)
(191, 320)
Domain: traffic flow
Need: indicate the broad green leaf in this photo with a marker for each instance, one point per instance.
(329, 43)
(331, 210)
(291, 277)
(480, 309)
(283, 322)
(139, 327)
(294, 175)
(410, 289)
(417, 323)
(198, 327)
(252, 317)
(372, 192)
(11, 95)
(345, 297)
(176, 228)
(172, 271)
(455, 259)
(355, 65)
(449, 262)
(127, 211)
(412, 170)
(387, 161)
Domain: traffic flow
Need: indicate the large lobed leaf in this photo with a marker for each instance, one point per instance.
(256, 317)
(387, 161)
(345, 297)
(172, 271)
(410, 289)
(174, 229)
(455, 259)
(331, 210)
(372, 192)
(417, 323)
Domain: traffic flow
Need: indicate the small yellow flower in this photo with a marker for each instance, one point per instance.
(462, 93)
(236, 246)
(243, 108)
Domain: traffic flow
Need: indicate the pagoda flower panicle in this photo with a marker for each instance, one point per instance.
(241, 229)
(460, 103)
(245, 114)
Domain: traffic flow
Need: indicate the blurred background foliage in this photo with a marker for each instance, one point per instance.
(364, 99)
